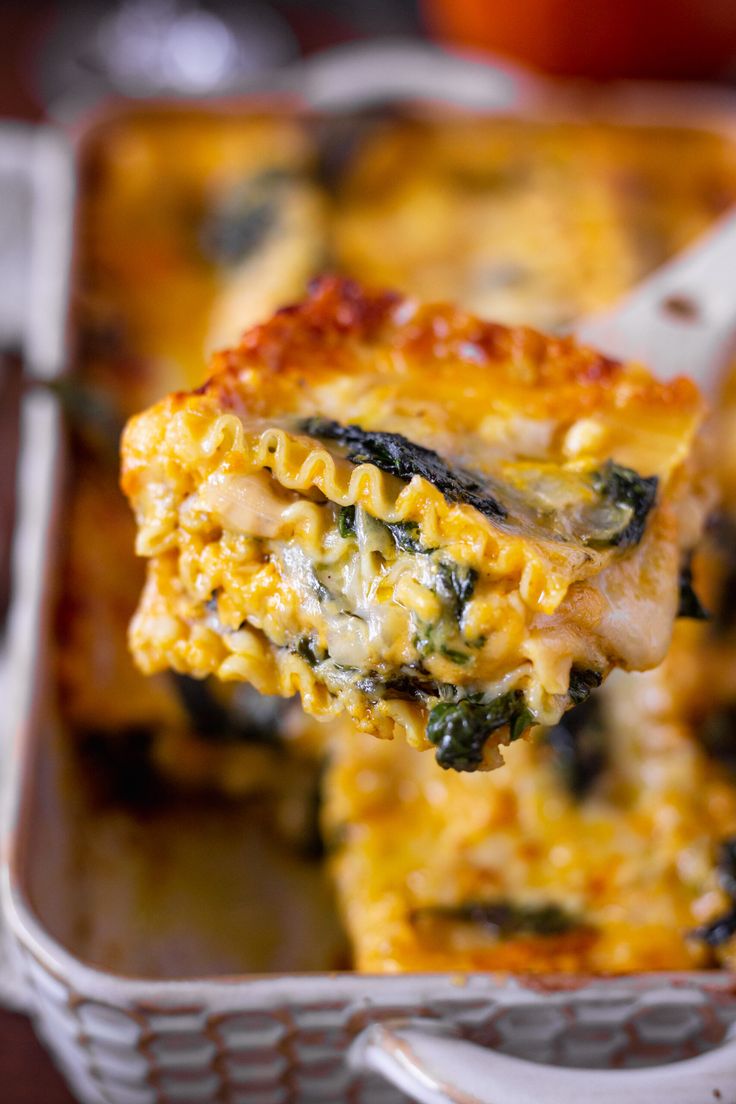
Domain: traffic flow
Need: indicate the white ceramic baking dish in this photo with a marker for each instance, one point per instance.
(124, 1038)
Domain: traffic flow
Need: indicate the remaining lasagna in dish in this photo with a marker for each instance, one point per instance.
(179, 253)
(606, 844)
(609, 838)
(525, 221)
(163, 242)
(439, 526)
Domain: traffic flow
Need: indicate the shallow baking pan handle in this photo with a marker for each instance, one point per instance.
(426, 1060)
(361, 74)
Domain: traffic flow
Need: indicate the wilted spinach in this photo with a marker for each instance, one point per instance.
(248, 718)
(504, 919)
(346, 522)
(310, 651)
(406, 536)
(397, 455)
(583, 680)
(689, 604)
(456, 584)
(578, 745)
(624, 489)
(459, 730)
(723, 927)
(241, 220)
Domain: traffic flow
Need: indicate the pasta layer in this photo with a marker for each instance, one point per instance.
(441, 526)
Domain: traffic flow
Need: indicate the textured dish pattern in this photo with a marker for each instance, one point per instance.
(249, 1043)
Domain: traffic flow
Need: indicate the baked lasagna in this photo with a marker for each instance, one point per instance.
(442, 527)
(606, 844)
(165, 243)
(525, 221)
(614, 829)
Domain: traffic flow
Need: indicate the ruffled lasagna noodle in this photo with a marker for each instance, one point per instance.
(440, 526)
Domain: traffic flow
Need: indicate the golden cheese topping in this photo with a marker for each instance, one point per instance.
(438, 525)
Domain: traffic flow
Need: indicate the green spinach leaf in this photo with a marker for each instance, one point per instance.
(459, 730)
(397, 455)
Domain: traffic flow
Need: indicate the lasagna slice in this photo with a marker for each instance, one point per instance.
(440, 526)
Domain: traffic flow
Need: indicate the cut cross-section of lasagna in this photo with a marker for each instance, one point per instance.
(440, 526)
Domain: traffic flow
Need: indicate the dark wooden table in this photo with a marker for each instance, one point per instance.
(27, 1075)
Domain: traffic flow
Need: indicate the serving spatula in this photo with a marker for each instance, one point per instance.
(682, 319)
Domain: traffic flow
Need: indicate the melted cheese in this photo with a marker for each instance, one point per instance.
(228, 483)
(528, 222)
(631, 864)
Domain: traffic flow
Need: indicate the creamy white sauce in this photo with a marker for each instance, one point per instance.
(361, 627)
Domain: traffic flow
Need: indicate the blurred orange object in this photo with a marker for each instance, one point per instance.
(596, 38)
